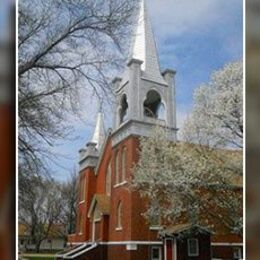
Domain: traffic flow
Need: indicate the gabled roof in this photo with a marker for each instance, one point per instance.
(182, 228)
(102, 201)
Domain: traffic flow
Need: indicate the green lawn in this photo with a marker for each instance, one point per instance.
(38, 256)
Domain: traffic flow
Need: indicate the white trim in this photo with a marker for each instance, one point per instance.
(120, 184)
(80, 252)
(155, 228)
(74, 243)
(81, 202)
(165, 250)
(226, 244)
(118, 228)
(175, 248)
(73, 250)
(93, 227)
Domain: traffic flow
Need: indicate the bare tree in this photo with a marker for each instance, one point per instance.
(64, 47)
(40, 207)
(69, 191)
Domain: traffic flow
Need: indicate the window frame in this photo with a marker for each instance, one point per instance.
(117, 179)
(237, 250)
(197, 247)
(124, 164)
(119, 216)
(80, 230)
(82, 188)
(155, 224)
(160, 252)
(108, 186)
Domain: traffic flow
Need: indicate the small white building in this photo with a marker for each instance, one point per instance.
(55, 241)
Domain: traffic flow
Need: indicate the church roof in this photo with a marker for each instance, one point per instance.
(176, 229)
(99, 133)
(144, 47)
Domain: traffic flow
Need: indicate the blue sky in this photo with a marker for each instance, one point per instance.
(194, 38)
(5, 6)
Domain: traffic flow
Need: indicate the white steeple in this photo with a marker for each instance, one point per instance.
(99, 133)
(144, 46)
(144, 96)
(88, 156)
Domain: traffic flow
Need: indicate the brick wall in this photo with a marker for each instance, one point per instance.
(224, 252)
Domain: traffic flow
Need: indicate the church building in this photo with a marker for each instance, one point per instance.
(110, 224)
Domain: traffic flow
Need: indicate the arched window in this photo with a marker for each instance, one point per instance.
(124, 164)
(117, 167)
(80, 227)
(123, 108)
(82, 189)
(119, 216)
(153, 106)
(108, 180)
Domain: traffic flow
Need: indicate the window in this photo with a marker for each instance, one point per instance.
(155, 221)
(156, 253)
(119, 216)
(80, 224)
(117, 167)
(123, 109)
(237, 254)
(193, 247)
(124, 164)
(82, 189)
(108, 180)
(153, 106)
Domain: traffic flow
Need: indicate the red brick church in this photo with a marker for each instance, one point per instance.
(110, 224)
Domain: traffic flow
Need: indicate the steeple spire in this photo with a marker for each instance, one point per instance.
(144, 46)
(99, 133)
(144, 96)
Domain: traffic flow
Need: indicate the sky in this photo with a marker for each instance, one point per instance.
(5, 8)
(194, 38)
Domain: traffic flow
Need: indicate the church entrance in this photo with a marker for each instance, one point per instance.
(170, 248)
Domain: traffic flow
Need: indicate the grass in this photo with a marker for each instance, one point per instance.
(38, 256)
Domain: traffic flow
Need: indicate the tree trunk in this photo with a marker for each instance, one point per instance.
(38, 246)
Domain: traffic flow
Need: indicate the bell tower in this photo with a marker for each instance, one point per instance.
(145, 96)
